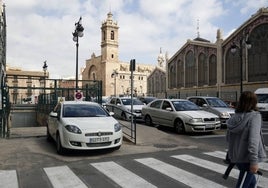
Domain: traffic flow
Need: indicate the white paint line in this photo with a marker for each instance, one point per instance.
(8, 178)
(221, 155)
(178, 174)
(63, 177)
(215, 167)
(122, 176)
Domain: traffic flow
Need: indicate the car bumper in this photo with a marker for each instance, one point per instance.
(87, 142)
(203, 127)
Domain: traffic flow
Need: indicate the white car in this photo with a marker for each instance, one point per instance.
(121, 106)
(83, 125)
(181, 114)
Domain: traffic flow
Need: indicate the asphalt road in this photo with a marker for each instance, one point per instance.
(161, 158)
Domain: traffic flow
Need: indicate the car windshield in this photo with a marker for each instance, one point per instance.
(262, 98)
(215, 102)
(83, 110)
(185, 106)
(128, 102)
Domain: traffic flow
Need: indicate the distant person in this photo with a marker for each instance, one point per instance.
(245, 141)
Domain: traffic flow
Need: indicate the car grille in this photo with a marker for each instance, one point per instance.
(209, 120)
(98, 144)
(99, 134)
(137, 111)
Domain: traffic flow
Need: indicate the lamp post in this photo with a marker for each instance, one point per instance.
(45, 71)
(78, 32)
(244, 45)
(114, 75)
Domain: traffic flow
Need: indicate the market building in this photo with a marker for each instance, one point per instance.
(224, 68)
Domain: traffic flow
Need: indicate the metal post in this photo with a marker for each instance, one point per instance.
(76, 70)
(241, 65)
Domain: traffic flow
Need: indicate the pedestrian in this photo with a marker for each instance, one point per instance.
(245, 141)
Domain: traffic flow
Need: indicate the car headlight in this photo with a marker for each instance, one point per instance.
(117, 127)
(224, 115)
(73, 129)
(196, 120)
(217, 119)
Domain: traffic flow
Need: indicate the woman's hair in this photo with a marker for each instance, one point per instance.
(247, 102)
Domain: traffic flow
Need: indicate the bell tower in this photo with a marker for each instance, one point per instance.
(109, 40)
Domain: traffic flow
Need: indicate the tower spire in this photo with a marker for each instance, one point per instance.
(197, 28)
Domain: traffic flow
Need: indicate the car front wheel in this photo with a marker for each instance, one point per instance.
(49, 138)
(179, 126)
(124, 116)
(60, 149)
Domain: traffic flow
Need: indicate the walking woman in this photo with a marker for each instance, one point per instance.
(245, 142)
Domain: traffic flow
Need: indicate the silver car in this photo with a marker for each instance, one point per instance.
(181, 114)
(121, 106)
(214, 105)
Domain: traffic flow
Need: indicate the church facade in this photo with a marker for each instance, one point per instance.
(115, 74)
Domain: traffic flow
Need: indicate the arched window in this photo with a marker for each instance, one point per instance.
(103, 36)
(172, 76)
(212, 70)
(180, 74)
(232, 67)
(202, 70)
(190, 73)
(112, 35)
(258, 54)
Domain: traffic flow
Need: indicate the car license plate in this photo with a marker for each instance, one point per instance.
(99, 139)
(209, 126)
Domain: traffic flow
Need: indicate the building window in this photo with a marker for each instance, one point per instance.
(212, 70)
(112, 55)
(202, 70)
(103, 35)
(180, 74)
(258, 54)
(112, 35)
(190, 72)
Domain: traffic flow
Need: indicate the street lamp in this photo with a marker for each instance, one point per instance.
(114, 75)
(45, 71)
(78, 32)
(244, 44)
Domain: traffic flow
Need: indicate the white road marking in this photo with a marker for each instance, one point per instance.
(215, 167)
(8, 178)
(178, 174)
(122, 176)
(63, 177)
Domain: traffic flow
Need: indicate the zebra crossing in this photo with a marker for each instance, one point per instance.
(122, 176)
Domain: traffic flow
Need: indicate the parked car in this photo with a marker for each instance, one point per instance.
(214, 105)
(121, 106)
(181, 114)
(262, 95)
(146, 100)
(83, 125)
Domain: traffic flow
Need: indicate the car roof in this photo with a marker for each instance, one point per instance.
(204, 97)
(80, 102)
(173, 99)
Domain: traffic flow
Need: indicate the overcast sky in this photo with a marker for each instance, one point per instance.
(39, 30)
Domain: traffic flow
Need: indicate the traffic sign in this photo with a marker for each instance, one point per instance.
(78, 95)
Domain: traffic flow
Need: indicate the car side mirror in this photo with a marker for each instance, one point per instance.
(204, 105)
(169, 109)
(54, 114)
